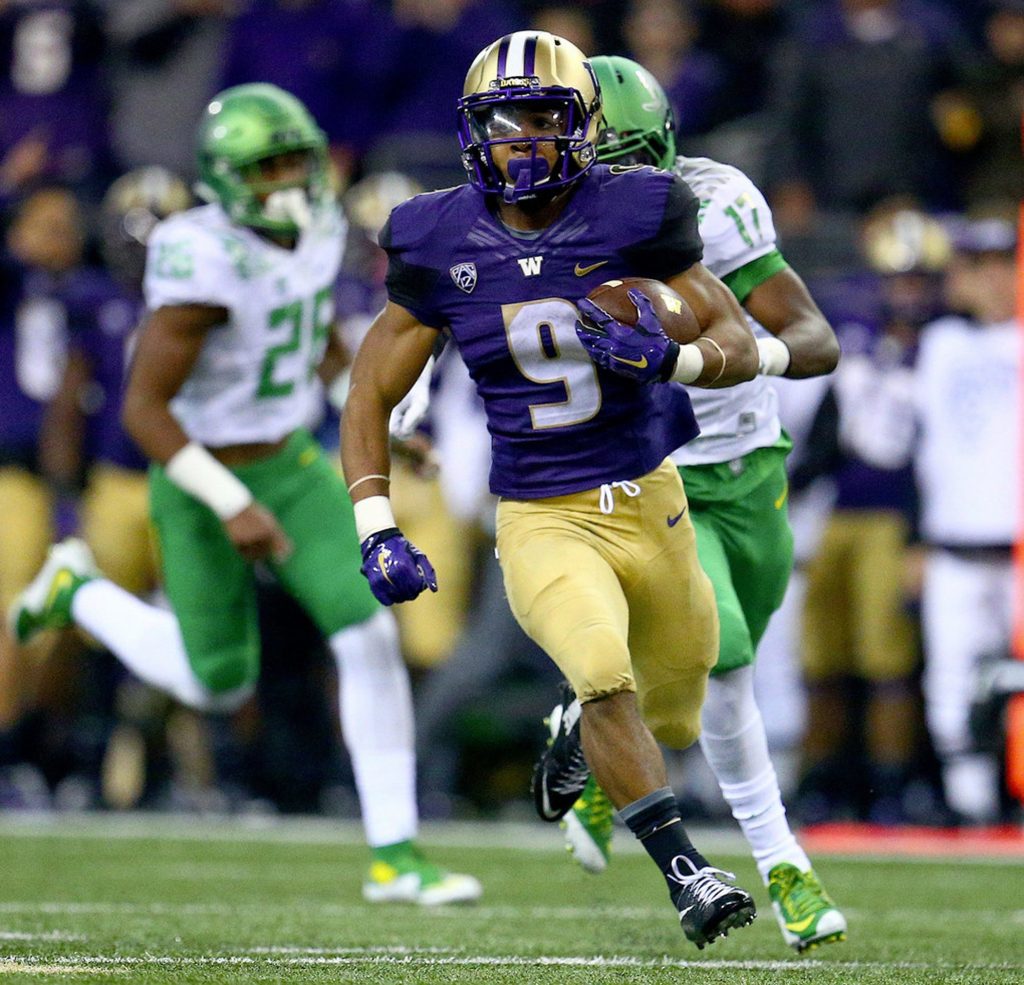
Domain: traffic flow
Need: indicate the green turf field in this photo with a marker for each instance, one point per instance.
(162, 901)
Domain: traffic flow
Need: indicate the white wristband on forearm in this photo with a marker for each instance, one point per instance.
(373, 514)
(196, 471)
(689, 365)
(773, 356)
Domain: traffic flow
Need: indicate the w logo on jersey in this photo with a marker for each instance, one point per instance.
(464, 275)
(530, 266)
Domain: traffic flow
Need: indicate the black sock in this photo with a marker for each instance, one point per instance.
(654, 819)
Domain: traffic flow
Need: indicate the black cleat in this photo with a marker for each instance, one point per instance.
(709, 907)
(561, 772)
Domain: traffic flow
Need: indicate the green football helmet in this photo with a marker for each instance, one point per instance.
(245, 125)
(639, 127)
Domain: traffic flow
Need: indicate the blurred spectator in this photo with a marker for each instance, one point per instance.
(743, 35)
(45, 240)
(662, 35)
(52, 112)
(603, 17)
(104, 308)
(851, 108)
(968, 468)
(337, 56)
(982, 118)
(567, 21)
(165, 58)
(437, 40)
(860, 645)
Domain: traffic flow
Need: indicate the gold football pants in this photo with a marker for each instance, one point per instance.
(617, 599)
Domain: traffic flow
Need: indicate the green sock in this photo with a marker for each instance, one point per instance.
(393, 853)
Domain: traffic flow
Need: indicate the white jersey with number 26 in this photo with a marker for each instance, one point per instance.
(255, 378)
(736, 226)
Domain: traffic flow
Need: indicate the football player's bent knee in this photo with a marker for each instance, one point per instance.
(675, 734)
(673, 715)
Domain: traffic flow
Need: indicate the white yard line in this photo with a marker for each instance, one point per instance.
(50, 935)
(431, 957)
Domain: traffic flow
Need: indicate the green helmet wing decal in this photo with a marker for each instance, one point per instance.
(244, 125)
(639, 127)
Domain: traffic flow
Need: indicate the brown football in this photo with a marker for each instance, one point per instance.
(673, 312)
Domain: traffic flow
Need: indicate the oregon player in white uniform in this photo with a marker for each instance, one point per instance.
(223, 382)
(735, 479)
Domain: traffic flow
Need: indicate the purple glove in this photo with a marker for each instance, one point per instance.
(642, 352)
(395, 569)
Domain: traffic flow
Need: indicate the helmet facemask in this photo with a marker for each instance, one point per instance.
(531, 90)
(287, 203)
(634, 147)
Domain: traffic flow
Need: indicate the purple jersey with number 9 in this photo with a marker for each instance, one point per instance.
(558, 424)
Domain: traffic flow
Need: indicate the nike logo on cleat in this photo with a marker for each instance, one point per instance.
(673, 520)
(640, 363)
(581, 271)
(63, 579)
(798, 926)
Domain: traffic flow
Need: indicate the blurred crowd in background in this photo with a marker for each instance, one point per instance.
(887, 137)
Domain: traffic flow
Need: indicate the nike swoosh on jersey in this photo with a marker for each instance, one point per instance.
(640, 363)
(582, 271)
(782, 498)
(673, 520)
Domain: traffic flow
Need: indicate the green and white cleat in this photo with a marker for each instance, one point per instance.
(46, 602)
(806, 913)
(589, 827)
(400, 874)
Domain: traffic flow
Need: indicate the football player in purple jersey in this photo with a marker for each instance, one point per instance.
(596, 547)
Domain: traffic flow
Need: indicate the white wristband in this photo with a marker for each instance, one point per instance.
(689, 365)
(372, 515)
(198, 473)
(772, 356)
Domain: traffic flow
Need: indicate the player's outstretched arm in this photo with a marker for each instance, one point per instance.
(392, 356)
(784, 306)
(725, 353)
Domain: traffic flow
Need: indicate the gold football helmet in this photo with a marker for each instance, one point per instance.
(905, 241)
(131, 207)
(526, 73)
